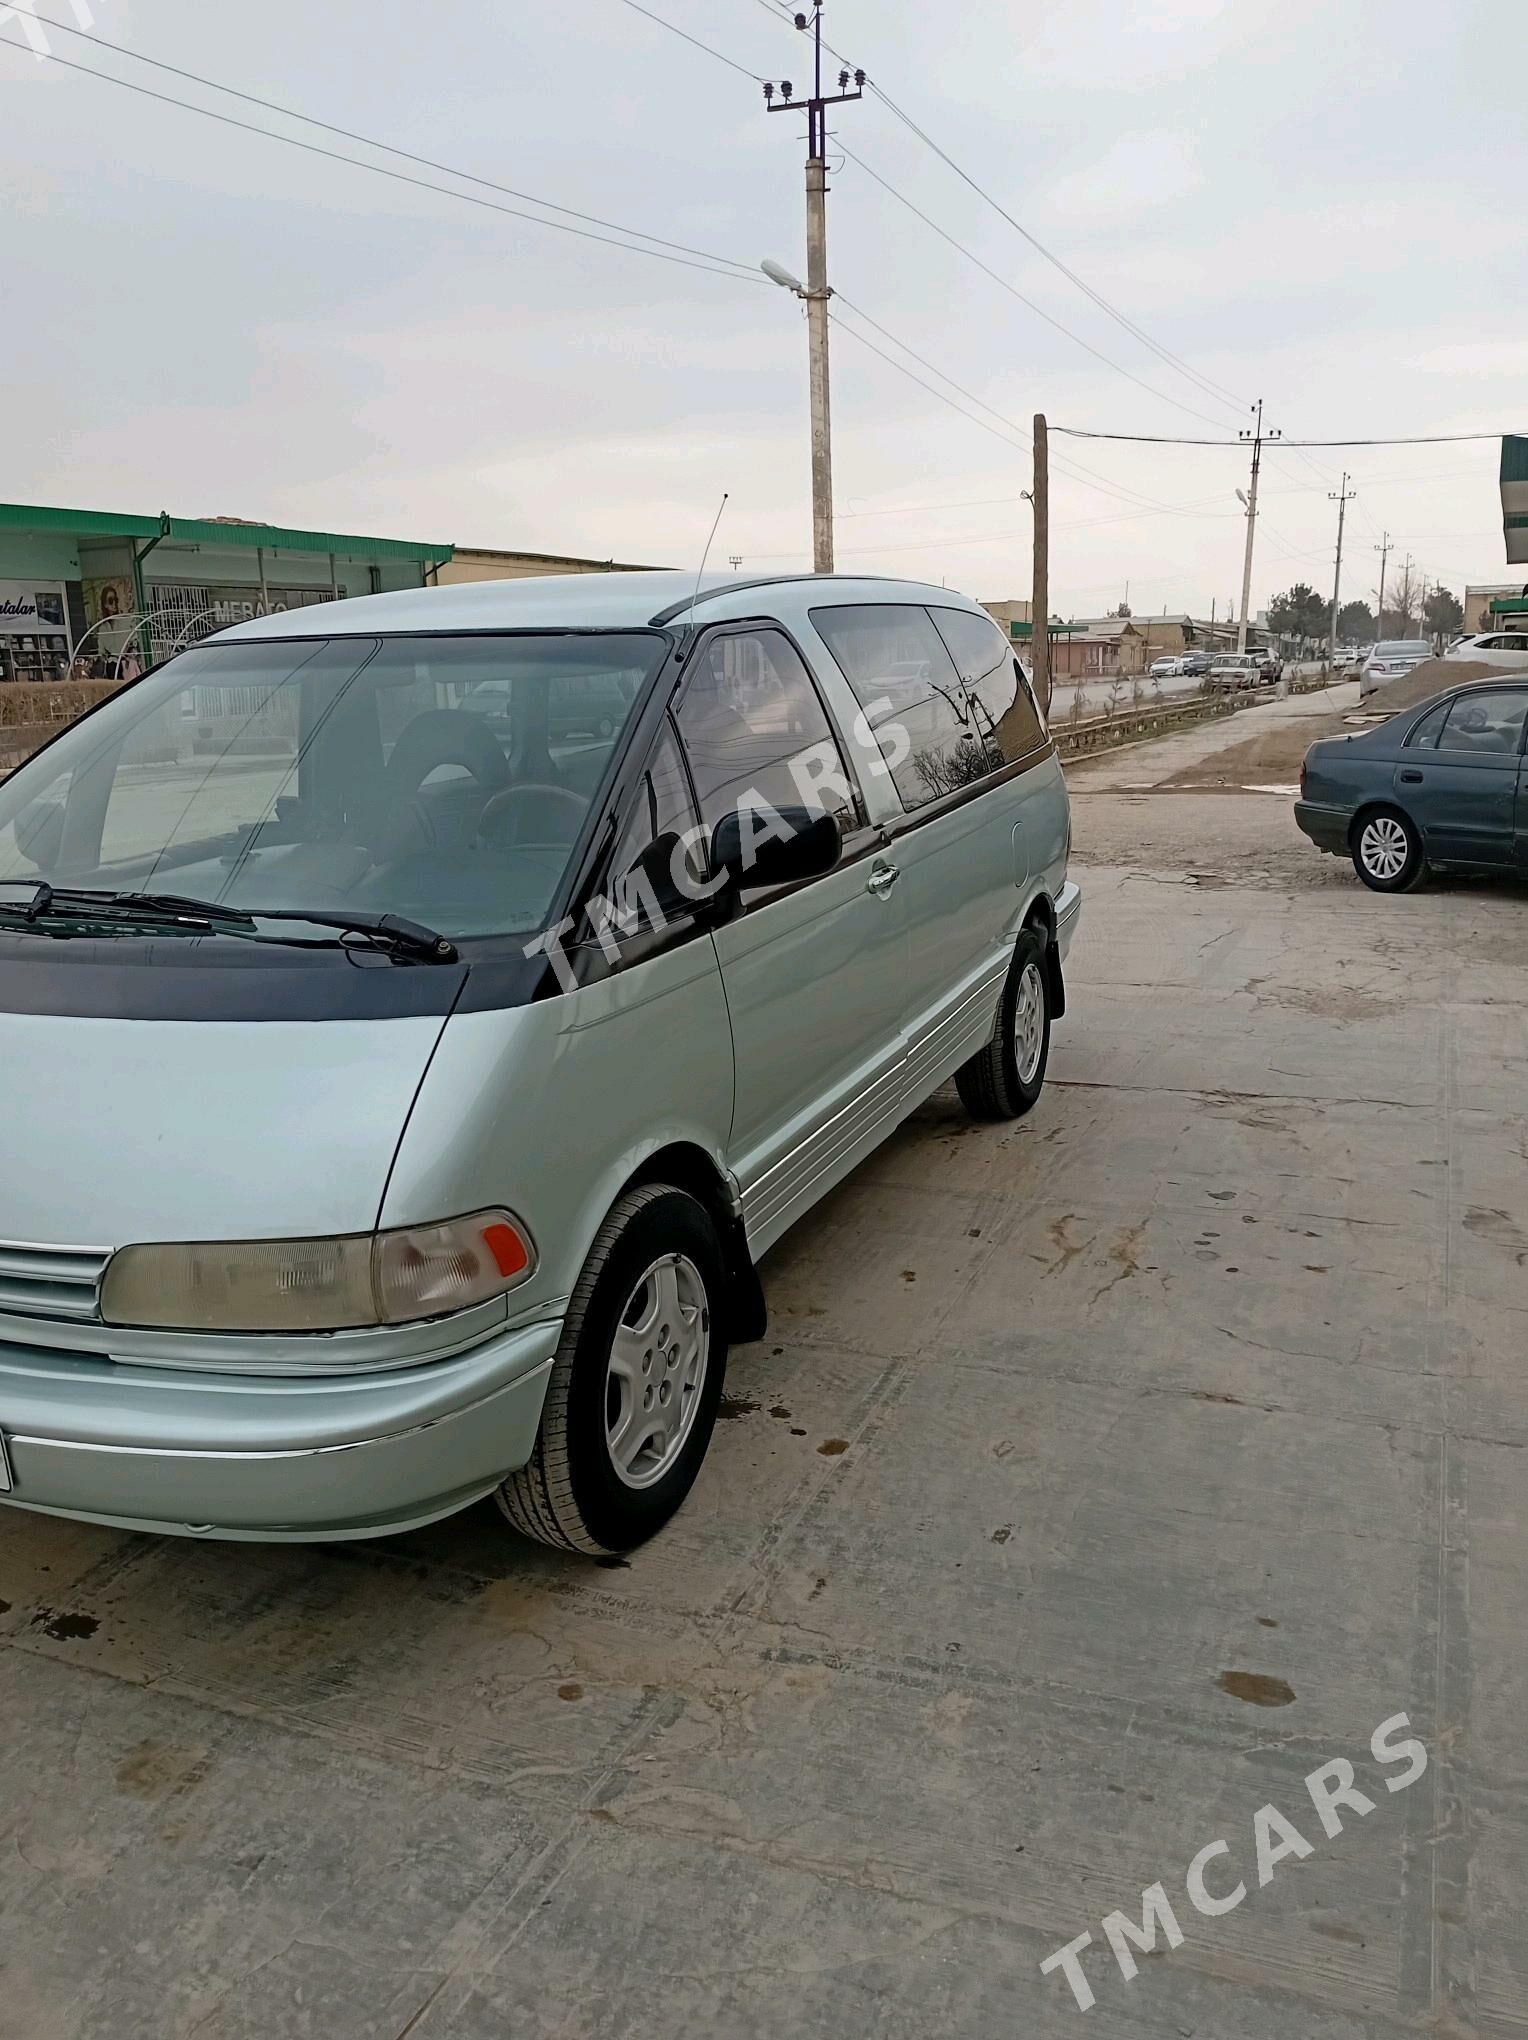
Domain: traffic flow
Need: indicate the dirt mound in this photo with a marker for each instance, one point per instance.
(1272, 757)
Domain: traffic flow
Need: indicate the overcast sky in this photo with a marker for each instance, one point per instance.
(1320, 204)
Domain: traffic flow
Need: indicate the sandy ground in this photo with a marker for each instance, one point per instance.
(1102, 1475)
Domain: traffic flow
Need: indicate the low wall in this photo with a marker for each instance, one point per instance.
(1137, 724)
(31, 712)
(1133, 725)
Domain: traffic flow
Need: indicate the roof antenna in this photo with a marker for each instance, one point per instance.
(721, 506)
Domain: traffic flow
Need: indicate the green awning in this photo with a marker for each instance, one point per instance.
(1025, 631)
(78, 524)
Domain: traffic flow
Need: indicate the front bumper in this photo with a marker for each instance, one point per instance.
(205, 1455)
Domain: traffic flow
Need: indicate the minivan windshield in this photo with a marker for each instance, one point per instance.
(441, 779)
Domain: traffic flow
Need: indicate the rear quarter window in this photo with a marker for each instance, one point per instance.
(991, 675)
(1425, 735)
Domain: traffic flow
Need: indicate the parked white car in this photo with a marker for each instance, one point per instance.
(1168, 667)
(1506, 648)
(1390, 660)
(1236, 670)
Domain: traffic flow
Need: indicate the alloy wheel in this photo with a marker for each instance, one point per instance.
(1383, 846)
(658, 1363)
(1029, 1022)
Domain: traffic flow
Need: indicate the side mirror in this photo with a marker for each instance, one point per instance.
(811, 846)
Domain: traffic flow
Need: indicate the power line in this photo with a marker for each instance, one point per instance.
(1157, 439)
(1184, 368)
(1073, 470)
(902, 369)
(694, 41)
(706, 258)
(1204, 383)
(933, 543)
(909, 509)
(1014, 291)
(933, 225)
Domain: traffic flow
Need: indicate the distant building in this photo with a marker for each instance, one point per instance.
(103, 591)
(1478, 600)
(1006, 614)
(111, 590)
(486, 563)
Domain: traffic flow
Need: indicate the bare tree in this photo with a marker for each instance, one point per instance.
(1403, 600)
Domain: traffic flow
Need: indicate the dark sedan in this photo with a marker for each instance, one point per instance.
(1442, 783)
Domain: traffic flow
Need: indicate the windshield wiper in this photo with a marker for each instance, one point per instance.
(407, 938)
(391, 931)
(65, 899)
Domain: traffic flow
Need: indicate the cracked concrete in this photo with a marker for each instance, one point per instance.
(1206, 1397)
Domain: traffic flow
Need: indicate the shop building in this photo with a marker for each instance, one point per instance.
(104, 593)
(487, 563)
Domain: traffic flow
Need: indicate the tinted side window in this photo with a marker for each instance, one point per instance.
(906, 682)
(753, 726)
(1425, 735)
(1486, 724)
(1007, 715)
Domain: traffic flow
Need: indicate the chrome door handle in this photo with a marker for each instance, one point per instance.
(881, 880)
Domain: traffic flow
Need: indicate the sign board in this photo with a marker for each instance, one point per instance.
(27, 607)
(1514, 499)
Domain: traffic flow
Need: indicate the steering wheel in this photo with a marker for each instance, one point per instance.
(533, 813)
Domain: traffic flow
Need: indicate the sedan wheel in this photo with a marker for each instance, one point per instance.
(1387, 852)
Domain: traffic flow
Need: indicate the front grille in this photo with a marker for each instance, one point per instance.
(54, 1282)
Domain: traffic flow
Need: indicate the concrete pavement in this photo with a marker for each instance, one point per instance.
(1101, 1476)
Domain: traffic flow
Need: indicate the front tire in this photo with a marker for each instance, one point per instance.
(635, 1382)
(1387, 851)
(1004, 1078)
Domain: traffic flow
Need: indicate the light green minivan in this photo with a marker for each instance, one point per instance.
(423, 1012)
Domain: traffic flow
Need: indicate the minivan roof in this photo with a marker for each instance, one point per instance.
(582, 601)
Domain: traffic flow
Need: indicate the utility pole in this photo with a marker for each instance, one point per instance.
(817, 293)
(1256, 435)
(1342, 498)
(1383, 549)
(1039, 604)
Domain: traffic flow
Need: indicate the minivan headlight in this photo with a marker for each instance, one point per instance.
(318, 1285)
